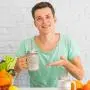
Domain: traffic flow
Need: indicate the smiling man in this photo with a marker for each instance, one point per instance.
(58, 53)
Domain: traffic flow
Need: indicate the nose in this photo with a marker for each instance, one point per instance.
(44, 21)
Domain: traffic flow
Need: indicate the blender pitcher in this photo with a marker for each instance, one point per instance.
(65, 84)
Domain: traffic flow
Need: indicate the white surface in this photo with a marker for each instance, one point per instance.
(38, 88)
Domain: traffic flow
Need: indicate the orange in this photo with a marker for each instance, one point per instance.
(5, 78)
(3, 73)
(88, 82)
(86, 87)
(4, 81)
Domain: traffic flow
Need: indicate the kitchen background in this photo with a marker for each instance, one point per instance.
(73, 18)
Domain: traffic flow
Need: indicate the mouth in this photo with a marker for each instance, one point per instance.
(46, 26)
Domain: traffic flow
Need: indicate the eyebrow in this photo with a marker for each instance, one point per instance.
(45, 15)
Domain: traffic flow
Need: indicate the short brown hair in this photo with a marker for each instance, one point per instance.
(41, 5)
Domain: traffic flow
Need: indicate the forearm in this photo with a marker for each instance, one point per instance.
(74, 70)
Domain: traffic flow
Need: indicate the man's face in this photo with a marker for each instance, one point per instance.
(44, 20)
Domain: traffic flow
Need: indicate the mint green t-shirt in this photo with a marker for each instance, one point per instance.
(48, 76)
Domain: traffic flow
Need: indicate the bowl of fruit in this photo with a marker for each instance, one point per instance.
(7, 73)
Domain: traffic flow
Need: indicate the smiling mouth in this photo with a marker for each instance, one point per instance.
(45, 26)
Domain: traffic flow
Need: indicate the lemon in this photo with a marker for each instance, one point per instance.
(79, 84)
(12, 87)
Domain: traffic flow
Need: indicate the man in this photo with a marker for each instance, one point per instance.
(58, 54)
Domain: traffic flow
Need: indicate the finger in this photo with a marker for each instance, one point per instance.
(22, 63)
(63, 58)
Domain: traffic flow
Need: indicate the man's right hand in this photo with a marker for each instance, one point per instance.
(21, 64)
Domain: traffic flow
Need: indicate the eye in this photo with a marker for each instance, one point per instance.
(38, 19)
(48, 17)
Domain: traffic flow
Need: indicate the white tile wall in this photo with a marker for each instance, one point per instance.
(73, 17)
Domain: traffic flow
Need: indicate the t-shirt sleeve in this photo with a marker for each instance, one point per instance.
(73, 49)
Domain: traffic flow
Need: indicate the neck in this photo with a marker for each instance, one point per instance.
(48, 38)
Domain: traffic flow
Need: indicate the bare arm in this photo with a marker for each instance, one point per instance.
(74, 67)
